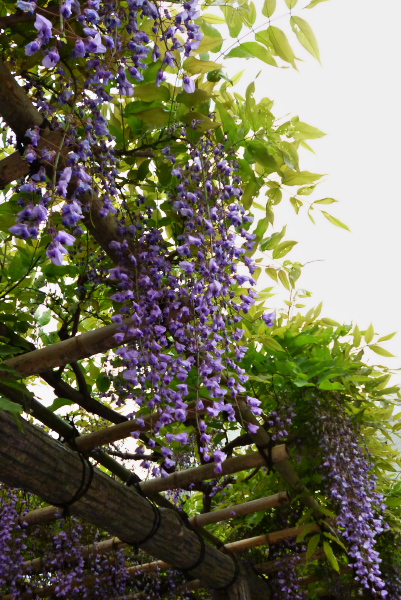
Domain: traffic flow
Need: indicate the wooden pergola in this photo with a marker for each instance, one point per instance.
(62, 474)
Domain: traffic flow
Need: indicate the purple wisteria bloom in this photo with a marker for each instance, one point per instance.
(72, 213)
(179, 437)
(32, 47)
(55, 252)
(189, 84)
(65, 238)
(51, 59)
(44, 26)
(269, 319)
(94, 44)
(28, 7)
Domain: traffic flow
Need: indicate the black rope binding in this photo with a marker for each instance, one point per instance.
(86, 479)
(236, 571)
(268, 457)
(202, 553)
(134, 480)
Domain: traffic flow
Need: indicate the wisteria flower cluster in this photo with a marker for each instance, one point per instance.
(183, 311)
(349, 483)
(12, 540)
(85, 163)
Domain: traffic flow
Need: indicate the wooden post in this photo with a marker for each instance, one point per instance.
(239, 591)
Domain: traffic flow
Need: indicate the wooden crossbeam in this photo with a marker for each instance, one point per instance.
(37, 463)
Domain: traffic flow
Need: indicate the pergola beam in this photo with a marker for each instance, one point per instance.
(37, 463)
(51, 513)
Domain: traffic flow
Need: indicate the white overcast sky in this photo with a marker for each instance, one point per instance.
(355, 97)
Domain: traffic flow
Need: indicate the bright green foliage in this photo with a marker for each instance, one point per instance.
(302, 358)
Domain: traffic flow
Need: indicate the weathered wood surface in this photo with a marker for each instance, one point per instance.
(15, 106)
(33, 461)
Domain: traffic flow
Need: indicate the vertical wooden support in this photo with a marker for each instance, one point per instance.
(239, 591)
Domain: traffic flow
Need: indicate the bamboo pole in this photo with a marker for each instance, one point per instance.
(277, 565)
(270, 538)
(160, 565)
(51, 513)
(181, 479)
(107, 435)
(274, 537)
(239, 510)
(67, 351)
(37, 463)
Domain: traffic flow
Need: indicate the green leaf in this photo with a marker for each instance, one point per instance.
(233, 20)
(312, 545)
(381, 351)
(331, 385)
(314, 3)
(271, 344)
(296, 203)
(369, 333)
(330, 556)
(357, 336)
(260, 154)
(263, 224)
(291, 3)
(335, 539)
(209, 42)
(303, 131)
(204, 123)
(11, 407)
(228, 121)
(283, 249)
(282, 275)
(392, 501)
(273, 240)
(304, 533)
(387, 337)
(6, 349)
(103, 382)
(194, 66)
(252, 50)
(269, 7)
(250, 192)
(155, 116)
(300, 178)
(59, 402)
(290, 154)
(305, 36)
(306, 191)
(272, 273)
(325, 201)
(280, 45)
(45, 318)
(214, 19)
(275, 195)
(197, 97)
(335, 221)
(150, 92)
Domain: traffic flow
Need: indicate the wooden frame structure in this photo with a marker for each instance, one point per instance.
(32, 460)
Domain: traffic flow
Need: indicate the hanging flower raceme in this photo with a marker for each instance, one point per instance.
(349, 483)
(184, 312)
(112, 37)
(12, 541)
